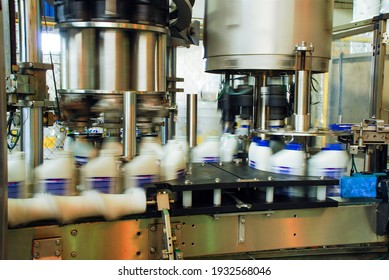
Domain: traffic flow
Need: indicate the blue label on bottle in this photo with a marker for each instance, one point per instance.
(14, 189)
(141, 180)
(102, 184)
(334, 190)
(211, 159)
(181, 173)
(80, 161)
(283, 169)
(56, 186)
(252, 163)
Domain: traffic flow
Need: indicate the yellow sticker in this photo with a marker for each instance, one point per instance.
(49, 142)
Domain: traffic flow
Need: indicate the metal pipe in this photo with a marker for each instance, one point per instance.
(171, 73)
(191, 118)
(129, 126)
(30, 31)
(32, 139)
(302, 118)
(4, 19)
(340, 103)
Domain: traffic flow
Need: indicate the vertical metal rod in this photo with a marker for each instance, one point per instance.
(4, 19)
(32, 139)
(30, 31)
(191, 118)
(377, 79)
(340, 102)
(171, 73)
(129, 126)
(31, 51)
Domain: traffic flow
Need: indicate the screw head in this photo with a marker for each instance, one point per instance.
(57, 253)
(73, 254)
(153, 250)
(36, 256)
(178, 226)
(36, 244)
(74, 232)
(243, 220)
(153, 228)
(58, 242)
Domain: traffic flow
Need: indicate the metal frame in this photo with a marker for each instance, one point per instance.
(377, 25)
(209, 236)
(4, 59)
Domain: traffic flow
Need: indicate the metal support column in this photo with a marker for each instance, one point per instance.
(31, 52)
(129, 126)
(4, 19)
(379, 52)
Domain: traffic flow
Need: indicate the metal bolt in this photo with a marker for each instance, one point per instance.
(73, 254)
(36, 244)
(58, 242)
(220, 164)
(242, 220)
(188, 182)
(241, 240)
(153, 250)
(31, 64)
(218, 180)
(270, 178)
(74, 232)
(153, 228)
(57, 253)
(36, 256)
(178, 226)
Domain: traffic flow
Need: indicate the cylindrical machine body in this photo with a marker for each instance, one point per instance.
(113, 56)
(273, 106)
(260, 35)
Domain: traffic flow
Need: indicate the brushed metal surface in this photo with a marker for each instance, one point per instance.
(113, 59)
(200, 236)
(260, 35)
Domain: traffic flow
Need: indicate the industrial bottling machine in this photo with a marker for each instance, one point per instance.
(118, 72)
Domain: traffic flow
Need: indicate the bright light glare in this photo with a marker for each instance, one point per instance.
(51, 43)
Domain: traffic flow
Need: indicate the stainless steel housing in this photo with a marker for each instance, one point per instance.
(113, 56)
(261, 35)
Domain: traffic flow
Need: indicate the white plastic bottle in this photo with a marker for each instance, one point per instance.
(183, 141)
(143, 169)
(83, 152)
(208, 151)
(228, 147)
(101, 173)
(260, 154)
(173, 163)
(290, 160)
(331, 161)
(151, 143)
(56, 176)
(17, 175)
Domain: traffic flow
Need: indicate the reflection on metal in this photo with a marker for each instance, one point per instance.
(191, 116)
(129, 125)
(231, 28)
(4, 29)
(142, 238)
